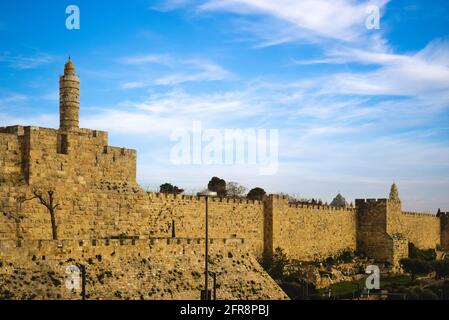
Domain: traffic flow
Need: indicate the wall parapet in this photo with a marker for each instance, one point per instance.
(168, 196)
(60, 244)
(119, 151)
(278, 196)
(321, 207)
(422, 214)
(371, 200)
(15, 130)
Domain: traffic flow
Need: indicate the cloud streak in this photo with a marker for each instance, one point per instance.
(25, 62)
(176, 70)
(284, 21)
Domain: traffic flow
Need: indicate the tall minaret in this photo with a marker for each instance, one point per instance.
(69, 93)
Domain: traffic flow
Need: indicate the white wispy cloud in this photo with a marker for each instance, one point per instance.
(25, 62)
(292, 20)
(164, 59)
(425, 73)
(11, 100)
(205, 71)
(134, 85)
(162, 113)
(42, 120)
(177, 70)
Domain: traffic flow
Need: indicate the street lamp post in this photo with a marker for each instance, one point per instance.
(206, 194)
(82, 268)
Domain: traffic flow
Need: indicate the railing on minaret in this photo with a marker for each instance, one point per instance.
(69, 92)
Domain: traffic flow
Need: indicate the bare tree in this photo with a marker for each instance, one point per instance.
(49, 202)
(233, 189)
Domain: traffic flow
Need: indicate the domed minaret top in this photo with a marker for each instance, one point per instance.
(69, 92)
(394, 193)
(69, 67)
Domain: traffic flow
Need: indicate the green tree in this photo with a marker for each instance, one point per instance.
(256, 194)
(170, 189)
(217, 185)
(420, 254)
(415, 266)
(278, 263)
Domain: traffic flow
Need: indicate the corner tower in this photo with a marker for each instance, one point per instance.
(69, 92)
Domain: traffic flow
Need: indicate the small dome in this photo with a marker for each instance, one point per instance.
(69, 67)
(339, 201)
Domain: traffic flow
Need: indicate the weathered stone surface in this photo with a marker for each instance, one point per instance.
(98, 198)
(159, 268)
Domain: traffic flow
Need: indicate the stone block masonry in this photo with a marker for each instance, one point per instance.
(157, 268)
(102, 212)
(308, 232)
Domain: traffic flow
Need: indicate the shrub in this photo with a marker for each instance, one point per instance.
(347, 256)
(427, 294)
(420, 254)
(416, 266)
(276, 265)
(441, 268)
(330, 261)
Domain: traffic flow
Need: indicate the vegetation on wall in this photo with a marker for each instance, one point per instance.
(423, 262)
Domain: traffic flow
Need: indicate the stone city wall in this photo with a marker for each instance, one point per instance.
(157, 268)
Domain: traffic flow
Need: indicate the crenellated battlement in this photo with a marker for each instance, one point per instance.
(171, 197)
(117, 151)
(421, 214)
(324, 208)
(16, 130)
(52, 245)
(371, 201)
(278, 197)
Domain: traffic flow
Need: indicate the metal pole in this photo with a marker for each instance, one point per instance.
(83, 291)
(207, 253)
(83, 280)
(215, 286)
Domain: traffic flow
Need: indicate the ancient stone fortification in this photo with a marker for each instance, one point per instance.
(156, 268)
(98, 201)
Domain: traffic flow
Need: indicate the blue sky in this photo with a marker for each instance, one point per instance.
(355, 108)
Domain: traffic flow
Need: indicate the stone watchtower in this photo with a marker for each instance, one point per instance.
(69, 93)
